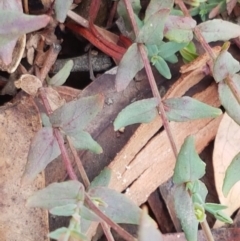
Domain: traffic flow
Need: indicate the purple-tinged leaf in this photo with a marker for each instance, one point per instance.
(13, 25)
(62, 75)
(142, 111)
(232, 175)
(83, 140)
(189, 166)
(57, 195)
(179, 29)
(61, 8)
(148, 229)
(186, 108)
(156, 5)
(152, 30)
(228, 100)
(124, 73)
(218, 30)
(185, 212)
(225, 65)
(230, 5)
(76, 115)
(13, 5)
(43, 149)
(117, 204)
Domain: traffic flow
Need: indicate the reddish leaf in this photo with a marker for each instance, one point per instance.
(44, 149)
(13, 25)
(76, 115)
(219, 30)
(225, 65)
(156, 5)
(125, 74)
(179, 29)
(152, 30)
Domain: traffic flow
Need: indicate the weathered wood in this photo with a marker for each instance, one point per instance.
(154, 164)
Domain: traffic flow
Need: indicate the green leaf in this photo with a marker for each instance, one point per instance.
(214, 207)
(179, 29)
(142, 111)
(148, 229)
(189, 166)
(225, 65)
(58, 233)
(76, 235)
(117, 204)
(162, 67)
(228, 100)
(156, 5)
(62, 75)
(199, 212)
(65, 210)
(83, 140)
(43, 149)
(76, 115)
(152, 30)
(103, 179)
(87, 214)
(121, 9)
(166, 50)
(218, 30)
(45, 120)
(189, 52)
(186, 108)
(57, 194)
(172, 59)
(232, 175)
(185, 212)
(199, 196)
(61, 8)
(125, 74)
(220, 215)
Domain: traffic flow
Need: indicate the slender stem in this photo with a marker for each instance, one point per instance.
(115, 226)
(107, 231)
(65, 156)
(207, 230)
(233, 88)
(151, 79)
(50, 60)
(45, 101)
(79, 164)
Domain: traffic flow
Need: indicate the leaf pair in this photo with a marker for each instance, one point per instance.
(72, 118)
(177, 109)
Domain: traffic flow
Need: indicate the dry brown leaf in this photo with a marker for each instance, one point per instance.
(225, 148)
(54, 99)
(29, 83)
(19, 123)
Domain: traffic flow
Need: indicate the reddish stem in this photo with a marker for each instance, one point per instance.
(94, 8)
(92, 39)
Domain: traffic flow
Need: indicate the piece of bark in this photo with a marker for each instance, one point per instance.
(160, 212)
(154, 164)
